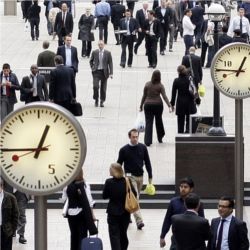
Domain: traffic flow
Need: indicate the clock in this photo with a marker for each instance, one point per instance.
(42, 148)
(230, 70)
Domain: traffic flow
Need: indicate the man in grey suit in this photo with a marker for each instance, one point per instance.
(33, 87)
(102, 68)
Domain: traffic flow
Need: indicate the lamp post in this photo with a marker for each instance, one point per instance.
(215, 13)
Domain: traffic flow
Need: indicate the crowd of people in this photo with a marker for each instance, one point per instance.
(161, 24)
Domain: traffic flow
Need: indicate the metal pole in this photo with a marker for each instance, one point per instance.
(40, 223)
(239, 159)
(216, 129)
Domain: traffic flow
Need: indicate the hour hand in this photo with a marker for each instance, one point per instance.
(230, 70)
(241, 66)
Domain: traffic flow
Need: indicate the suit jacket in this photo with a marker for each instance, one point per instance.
(197, 15)
(133, 26)
(190, 231)
(224, 39)
(46, 59)
(140, 17)
(14, 86)
(69, 24)
(196, 65)
(165, 18)
(42, 91)
(61, 50)
(117, 13)
(237, 235)
(10, 214)
(157, 29)
(106, 62)
(62, 84)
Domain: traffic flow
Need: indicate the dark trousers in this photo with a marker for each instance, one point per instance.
(163, 38)
(103, 28)
(117, 36)
(6, 106)
(127, 41)
(50, 28)
(65, 104)
(98, 76)
(78, 231)
(6, 242)
(170, 32)
(197, 34)
(210, 56)
(181, 123)
(141, 36)
(204, 47)
(61, 36)
(151, 45)
(131, 6)
(34, 27)
(153, 111)
(118, 226)
(86, 48)
(179, 29)
(188, 40)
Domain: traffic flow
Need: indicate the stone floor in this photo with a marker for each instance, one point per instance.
(106, 128)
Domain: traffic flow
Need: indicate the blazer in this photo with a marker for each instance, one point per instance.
(42, 91)
(62, 85)
(224, 39)
(117, 13)
(190, 231)
(69, 24)
(10, 214)
(197, 15)
(46, 59)
(196, 65)
(140, 17)
(61, 50)
(133, 26)
(14, 86)
(107, 62)
(115, 190)
(157, 29)
(237, 235)
(34, 11)
(165, 18)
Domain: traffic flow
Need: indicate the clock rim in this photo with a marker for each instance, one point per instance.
(82, 140)
(212, 71)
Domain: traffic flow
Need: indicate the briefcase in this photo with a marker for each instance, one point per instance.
(76, 108)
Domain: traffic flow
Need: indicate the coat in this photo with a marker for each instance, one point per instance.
(85, 25)
(46, 59)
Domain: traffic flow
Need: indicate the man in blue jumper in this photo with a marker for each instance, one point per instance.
(134, 155)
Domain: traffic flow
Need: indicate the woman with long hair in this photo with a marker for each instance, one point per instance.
(185, 103)
(153, 107)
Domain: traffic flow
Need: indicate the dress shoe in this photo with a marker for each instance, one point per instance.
(117, 43)
(122, 65)
(135, 51)
(129, 65)
(153, 66)
(150, 66)
(22, 240)
(148, 144)
(96, 103)
(170, 50)
(160, 141)
(162, 53)
(14, 235)
(101, 104)
(140, 226)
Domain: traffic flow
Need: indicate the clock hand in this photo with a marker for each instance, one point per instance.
(16, 157)
(230, 70)
(241, 66)
(21, 149)
(38, 150)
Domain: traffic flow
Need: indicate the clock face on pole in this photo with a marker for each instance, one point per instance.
(42, 147)
(230, 70)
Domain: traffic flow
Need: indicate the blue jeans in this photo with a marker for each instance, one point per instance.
(188, 40)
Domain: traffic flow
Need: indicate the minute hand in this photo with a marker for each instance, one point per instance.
(241, 66)
(230, 70)
(40, 145)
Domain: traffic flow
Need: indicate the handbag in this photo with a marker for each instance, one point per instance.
(131, 203)
(76, 108)
(192, 88)
(140, 122)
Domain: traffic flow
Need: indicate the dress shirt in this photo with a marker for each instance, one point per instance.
(1, 201)
(224, 242)
(235, 24)
(68, 61)
(64, 14)
(188, 27)
(34, 84)
(100, 66)
(127, 26)
(4, 80)
(102, 9)
(151, 28)
(163, 12)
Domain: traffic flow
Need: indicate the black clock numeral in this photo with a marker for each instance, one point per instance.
(56, 179)
(51, 168)
(21, 180)
(228, 63)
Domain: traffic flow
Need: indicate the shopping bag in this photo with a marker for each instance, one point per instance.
(140, 122)
(201, 90)
(27, 26)
(150, 189)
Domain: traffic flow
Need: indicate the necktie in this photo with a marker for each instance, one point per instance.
(127, 24)
(241, 25)
(100, 60)
(7, 87)
(63, 19)
(219, 239)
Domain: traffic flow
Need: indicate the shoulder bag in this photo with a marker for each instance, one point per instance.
(131, 203)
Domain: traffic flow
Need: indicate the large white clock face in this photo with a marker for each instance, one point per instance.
(42, 148)
(230, 70)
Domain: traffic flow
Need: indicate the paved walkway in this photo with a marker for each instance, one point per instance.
(106, 128)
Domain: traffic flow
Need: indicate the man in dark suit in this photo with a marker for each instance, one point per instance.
(33, 87)
(117, 13)
(102, 68)
(62, 88)
(228, 232)
(197, 19)
(63, 24)
(46, 58)
(141, 17)
(153, 32)
(131, 5)
(130, 26)
(224, 39)
(69, 54)
(196, 66)
(190, 230)
(9, 217)
(8, 84)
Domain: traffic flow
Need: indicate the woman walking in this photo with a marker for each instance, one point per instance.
(85, 25)
(185, 104)
(153, 107)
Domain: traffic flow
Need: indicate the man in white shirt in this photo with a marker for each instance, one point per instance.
(188, 30)
(240, 22)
